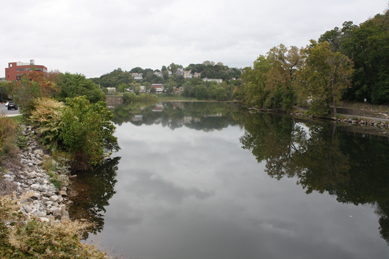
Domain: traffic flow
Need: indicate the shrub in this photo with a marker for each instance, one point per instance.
(87, 132)
(129, 97)
(147, 98)
(48, 117)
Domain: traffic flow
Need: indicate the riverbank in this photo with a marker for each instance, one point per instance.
(46, 202)
(34, 217)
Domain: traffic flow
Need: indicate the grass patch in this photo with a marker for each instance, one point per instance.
(56, 183)
(18, 118)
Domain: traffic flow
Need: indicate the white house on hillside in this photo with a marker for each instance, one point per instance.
(219, 81)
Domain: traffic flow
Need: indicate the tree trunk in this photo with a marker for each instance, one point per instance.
(333, 97)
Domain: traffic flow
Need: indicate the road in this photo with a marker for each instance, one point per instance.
(3, 110)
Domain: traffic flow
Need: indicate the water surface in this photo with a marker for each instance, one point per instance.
(207, 180)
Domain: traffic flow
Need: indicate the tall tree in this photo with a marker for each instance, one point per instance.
(284, 62)
(255, 91)
(368, 47)
(323, 77)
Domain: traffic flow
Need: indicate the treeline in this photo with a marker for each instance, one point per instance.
(367, 45)
(348, 63)
(172, 74)
(197, 88)
(209, 69)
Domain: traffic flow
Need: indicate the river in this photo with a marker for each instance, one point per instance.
(209, 180)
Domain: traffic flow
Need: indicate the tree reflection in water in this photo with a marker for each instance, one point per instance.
(93, 190)
(323, 160)
(320, 155)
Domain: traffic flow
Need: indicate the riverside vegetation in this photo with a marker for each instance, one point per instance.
(78, 133)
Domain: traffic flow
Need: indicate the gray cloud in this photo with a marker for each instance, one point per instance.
(95, 37)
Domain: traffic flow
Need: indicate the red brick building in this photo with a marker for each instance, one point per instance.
(15, 70)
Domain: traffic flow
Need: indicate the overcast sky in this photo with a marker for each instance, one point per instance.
(96, 37)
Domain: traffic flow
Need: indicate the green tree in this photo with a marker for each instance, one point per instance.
(115, 78)
(173, 67)
(87, 132)
(169, 86)
(147, 86)
(165, 74)
(73, 85)
(136, 70)
(129, 97)
(5, 89)
(201, 92)
(137, 90)
(255, 92)
(24, 92)
(122, 87)
(323, 77)
(284, 63)
(269, 83)
(220, 94)
(368, 46)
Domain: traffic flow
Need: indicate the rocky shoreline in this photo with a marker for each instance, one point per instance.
(44, 200)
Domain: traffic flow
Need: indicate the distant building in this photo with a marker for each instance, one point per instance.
(137, 76)
(158, 73)
(219, 81)
(197, 75)
(15, 70)
(158, 88)
(111, 90)
(188, 74)
(137, 117)
(158, 108)
(180, 71)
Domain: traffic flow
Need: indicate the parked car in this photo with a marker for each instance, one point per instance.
(11, 105)
(6, 104)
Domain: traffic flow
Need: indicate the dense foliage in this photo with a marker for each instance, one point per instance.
(87, 132)
(270, 82)
(114, 78)
(132, 97)
(80, 128)
(73, 85)
(323, 77)
(32, 85)
(367, 45)
(216, 71)
(349, 63)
